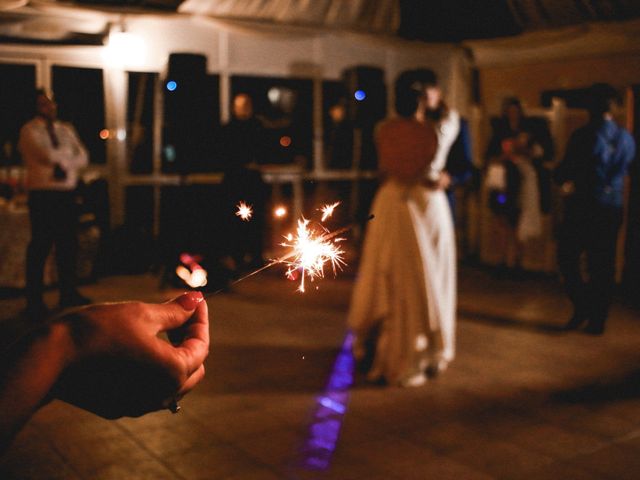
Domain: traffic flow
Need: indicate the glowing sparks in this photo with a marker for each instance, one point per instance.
(327, 210)
(280, 211)
(310, 251)
(244, 211)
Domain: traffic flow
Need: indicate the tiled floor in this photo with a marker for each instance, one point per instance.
(522, 400)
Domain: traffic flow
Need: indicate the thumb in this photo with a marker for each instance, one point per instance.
(176, 312)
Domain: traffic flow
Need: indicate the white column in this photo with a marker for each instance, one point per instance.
(318, 124)
(559, 126)
(158, 115)
(115, 93)
(318, 127)
(225, 80)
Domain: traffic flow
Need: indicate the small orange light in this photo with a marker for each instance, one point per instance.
(104, 134)
(285, 141)
(280, 211)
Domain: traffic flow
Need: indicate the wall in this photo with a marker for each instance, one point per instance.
(528, 81)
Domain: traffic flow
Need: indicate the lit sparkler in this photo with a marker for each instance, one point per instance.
(244, 211)
(310, 252)
(327, 210)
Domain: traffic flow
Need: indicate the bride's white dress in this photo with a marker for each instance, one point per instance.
(404, 299)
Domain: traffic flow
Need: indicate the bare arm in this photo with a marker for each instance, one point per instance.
(79, 156)
(35, 147)
(107, 359)
(27, 385)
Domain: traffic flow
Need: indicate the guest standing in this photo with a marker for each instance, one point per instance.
(404, 296)
(519, 149)
(592, 178)
(53, 155)
(243, 144)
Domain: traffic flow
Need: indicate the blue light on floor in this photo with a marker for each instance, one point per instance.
(331, 406)
(172, 85)
(360, 95)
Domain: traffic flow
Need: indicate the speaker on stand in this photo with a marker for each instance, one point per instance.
(191, 113)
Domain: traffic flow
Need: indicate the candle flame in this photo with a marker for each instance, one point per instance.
(244, 211)
(327, 210)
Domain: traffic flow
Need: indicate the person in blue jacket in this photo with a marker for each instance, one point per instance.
(591, 176)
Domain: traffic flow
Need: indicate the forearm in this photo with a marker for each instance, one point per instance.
(80, 157)
(35, 367)
(38, 154)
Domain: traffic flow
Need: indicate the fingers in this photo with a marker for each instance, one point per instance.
(191, 382)
(195, 346)
(186, 357)
(176, 312)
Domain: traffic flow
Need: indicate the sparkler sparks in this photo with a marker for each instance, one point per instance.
(327, 210)
(312, 248)
(310, 251)
(244, 211)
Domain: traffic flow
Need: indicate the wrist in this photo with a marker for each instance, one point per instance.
(61, 340)
(40, 360)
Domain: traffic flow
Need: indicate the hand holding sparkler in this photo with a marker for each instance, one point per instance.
(106, 359)
(121, 368)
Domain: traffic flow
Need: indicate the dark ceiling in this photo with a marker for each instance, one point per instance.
(425, 20)
(458, 20)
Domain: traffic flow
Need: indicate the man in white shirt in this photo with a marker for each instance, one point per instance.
(53, 154)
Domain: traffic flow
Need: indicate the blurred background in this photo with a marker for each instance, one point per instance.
(150, 86)
(189, 107)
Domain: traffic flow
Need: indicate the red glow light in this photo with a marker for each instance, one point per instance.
(285, 141)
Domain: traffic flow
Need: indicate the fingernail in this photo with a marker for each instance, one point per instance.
(190, 300)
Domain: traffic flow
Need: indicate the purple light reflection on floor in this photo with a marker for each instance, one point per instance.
(328, 415)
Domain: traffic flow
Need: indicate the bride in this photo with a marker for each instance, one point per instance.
(403, 305)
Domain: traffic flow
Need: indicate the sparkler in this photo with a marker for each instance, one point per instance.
(244, 211)
(327, 210)
(310, 252)
(310, 249)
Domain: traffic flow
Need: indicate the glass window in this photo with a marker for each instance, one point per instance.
(140, 114)
(284, 106)
(191, 115)
(338, 127)
(79, 93)
(17, 106)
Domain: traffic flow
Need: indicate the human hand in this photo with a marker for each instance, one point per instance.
(120, 367)
(444, 181)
